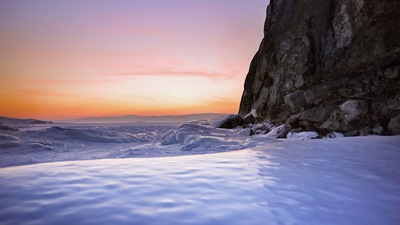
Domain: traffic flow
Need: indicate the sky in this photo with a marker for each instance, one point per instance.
(72, 58)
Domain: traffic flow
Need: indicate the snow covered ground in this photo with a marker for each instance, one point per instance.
(292, 181)
(62, 142)
(66, 141)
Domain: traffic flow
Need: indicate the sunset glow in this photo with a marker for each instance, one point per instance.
(68, 59)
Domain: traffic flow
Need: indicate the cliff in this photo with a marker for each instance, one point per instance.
(329, 65)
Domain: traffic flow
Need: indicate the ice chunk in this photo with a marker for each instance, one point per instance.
(200, 136)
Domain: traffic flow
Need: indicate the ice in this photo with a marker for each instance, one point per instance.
(62, 142)
(202, 136)
(343, 181)
(269, 181)
(65, 141)
(303, 135)
(244, 131)
(8, 140)
(90, 135)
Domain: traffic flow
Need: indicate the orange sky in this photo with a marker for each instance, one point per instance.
(71, 58)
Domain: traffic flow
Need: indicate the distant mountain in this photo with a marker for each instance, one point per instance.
(7, 120)
(167, 119)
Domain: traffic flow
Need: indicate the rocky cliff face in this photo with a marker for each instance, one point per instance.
(330, 65)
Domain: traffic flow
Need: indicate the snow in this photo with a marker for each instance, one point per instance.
(202, 136)
(167, 175)
(63, 142)
(331, 181)
(66, 142)
(303, 135)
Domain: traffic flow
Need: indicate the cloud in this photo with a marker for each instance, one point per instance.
(60, 81)
(178, 73)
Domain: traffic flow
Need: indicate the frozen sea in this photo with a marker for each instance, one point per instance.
(194, 173)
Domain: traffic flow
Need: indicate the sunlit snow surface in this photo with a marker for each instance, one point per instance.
(335, 181)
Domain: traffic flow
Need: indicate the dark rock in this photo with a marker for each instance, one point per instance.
(258, 120)
(309, 97)
(346, 92)
(297, 130)
(248, 119)
(351, 133)
(306, 125)
(285, 129)
(252, 132)
(293, 119)
(365, 131)
(279, 132)
(394, 125)
(354, 110)
(392, 73)
(281, 118)
(229, 122)
(388, 106)
(259, 130)
(377, 130)
(317, 114)
(316, 94)
(331, 52)
(332, 123)
(262, 128)
(295, 100)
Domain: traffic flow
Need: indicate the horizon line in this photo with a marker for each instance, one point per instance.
(109, 116)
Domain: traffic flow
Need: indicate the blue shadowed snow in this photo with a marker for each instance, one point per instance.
(340, 181)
